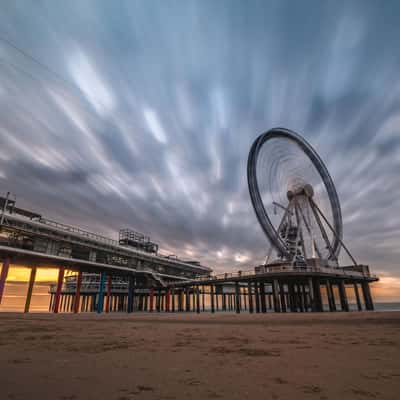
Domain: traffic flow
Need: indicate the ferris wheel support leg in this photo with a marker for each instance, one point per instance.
(300, 231)
(333, 231)
(315, 209)
(315, 246)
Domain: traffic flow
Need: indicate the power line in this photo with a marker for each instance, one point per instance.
(36, 61)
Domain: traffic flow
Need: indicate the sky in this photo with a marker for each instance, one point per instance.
(141, 114)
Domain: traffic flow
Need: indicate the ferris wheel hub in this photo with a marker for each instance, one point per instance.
(306, 190)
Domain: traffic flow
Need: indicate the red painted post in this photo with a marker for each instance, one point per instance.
(151, 299)
(167, 300)
(78, 292)
(59, 287)
(108, 294)
(3, 276)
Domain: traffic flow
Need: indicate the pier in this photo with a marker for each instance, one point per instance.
(131, 275)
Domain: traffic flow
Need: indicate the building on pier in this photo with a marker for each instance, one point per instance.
(27, 238)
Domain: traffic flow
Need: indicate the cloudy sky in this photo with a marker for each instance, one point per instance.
(141, 114)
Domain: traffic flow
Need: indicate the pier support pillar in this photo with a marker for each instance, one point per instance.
(237, 297)
(300, 297)
(369, 305)
(212, 298)
(3, 276)
(357, 295)
(331, 296)
(275, 295)
(77, 292)
(151, 300)
(317, 295)
(58, 290)
(187, 298)
(282, 296)
(30, 289)
(262, 297)
(292, 298)
(173, 300)
(344, 304)
(257, 297)
(131, 293)
(109, 282)
(100, 301)
(198, 300)
(250, 294)
(167, 299)
(311, 295)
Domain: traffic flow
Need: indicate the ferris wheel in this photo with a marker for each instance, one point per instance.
(294, 199)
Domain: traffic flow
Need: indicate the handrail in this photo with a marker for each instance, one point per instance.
(286, 268)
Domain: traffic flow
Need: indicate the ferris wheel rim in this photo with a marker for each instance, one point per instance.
(323, 172)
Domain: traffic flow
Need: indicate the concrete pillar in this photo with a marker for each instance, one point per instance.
(357, 295)
(331, 296)
(237, 297)
(275, 295)
(58, 290)
(369, 305)
(30, 289)
(3, 275)
(250, 294)
(262, 297)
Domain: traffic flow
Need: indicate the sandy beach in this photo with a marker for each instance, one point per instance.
(222, 356)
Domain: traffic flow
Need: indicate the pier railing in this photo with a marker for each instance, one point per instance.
(347, 271)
